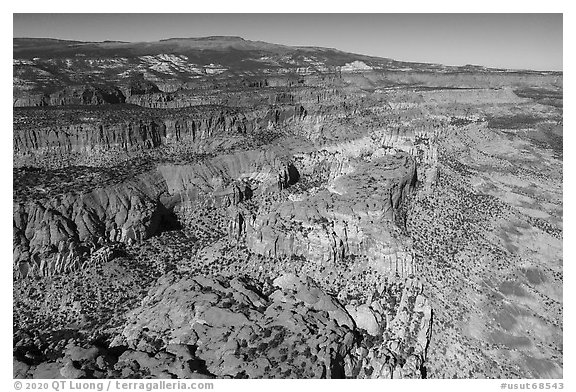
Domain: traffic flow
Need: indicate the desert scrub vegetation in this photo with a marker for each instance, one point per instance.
(516, 121)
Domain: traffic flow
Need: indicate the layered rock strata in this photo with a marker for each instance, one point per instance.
(53, 233)
(351, 217)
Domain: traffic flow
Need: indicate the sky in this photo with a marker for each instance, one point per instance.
(518, 41)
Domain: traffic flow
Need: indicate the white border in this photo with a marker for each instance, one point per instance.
(358, 6)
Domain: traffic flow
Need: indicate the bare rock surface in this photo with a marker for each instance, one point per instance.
(238, 332)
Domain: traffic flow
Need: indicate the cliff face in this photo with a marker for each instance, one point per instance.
(71, 225)
(226, 180)
(55, 233)
(344, 219)
(402, 330)
(92, 138)
(334, 223)
(71, 95)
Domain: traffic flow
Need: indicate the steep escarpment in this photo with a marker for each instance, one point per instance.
(364, 182)
(53, 233)
(280, 92)
(344, 219)
(70, 95)
(230, 178)
(92, 136)
(89, 136)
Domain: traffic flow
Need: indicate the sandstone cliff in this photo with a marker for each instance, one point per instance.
(344, 219)
(54, 233)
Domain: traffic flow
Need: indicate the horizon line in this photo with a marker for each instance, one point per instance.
(296, 46)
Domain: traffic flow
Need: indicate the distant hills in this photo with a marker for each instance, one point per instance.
(49, 71)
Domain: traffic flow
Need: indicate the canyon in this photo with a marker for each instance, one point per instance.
(225, 208)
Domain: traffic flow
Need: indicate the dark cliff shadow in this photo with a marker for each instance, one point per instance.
(293, 174)
(163, 220)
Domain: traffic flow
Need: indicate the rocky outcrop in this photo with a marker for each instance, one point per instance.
(205, 327)
(90, 361)
(87, 95)
(406, 325)
(296, 331)
(345, 219)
